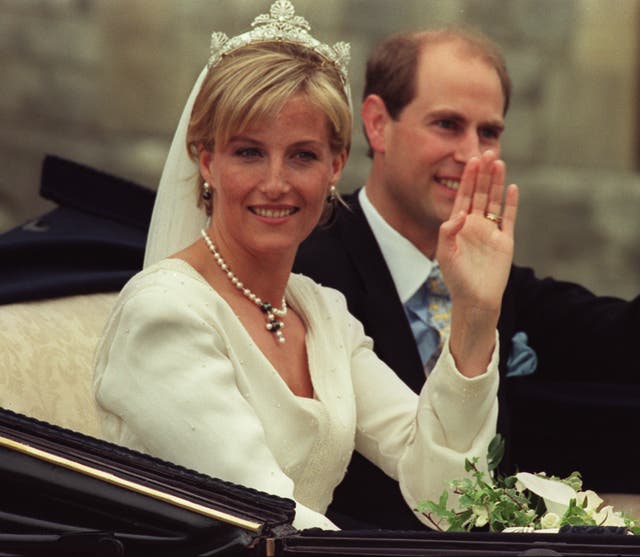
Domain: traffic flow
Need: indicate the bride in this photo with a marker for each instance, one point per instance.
(218, 358)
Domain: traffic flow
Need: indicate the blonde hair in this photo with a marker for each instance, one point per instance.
(254, 82)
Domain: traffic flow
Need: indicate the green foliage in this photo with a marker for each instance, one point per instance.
(497, 502)
(576, 515)
(481, 503)
(632, 525)
(574, 480)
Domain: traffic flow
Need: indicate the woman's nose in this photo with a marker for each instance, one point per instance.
(275, 182)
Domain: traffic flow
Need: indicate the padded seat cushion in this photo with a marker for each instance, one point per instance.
(46, 359)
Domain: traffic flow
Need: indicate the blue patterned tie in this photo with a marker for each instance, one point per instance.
(439, 311)
(429, 313)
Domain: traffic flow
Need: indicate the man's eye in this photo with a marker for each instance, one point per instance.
(447, 124)
(490, 133)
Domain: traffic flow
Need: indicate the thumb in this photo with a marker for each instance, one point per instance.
(451, 227)
(447, 234)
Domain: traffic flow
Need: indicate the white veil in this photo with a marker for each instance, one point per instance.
(176, 220)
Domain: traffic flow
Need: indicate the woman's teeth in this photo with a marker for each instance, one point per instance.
(273, 213)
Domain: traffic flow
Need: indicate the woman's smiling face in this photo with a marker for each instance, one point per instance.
(271, 180)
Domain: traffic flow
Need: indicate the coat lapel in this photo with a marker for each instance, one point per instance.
(382, 312)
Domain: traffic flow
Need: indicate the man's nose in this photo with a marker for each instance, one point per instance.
(468, 147)
(275, 182)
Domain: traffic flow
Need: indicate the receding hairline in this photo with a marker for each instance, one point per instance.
(465, 41)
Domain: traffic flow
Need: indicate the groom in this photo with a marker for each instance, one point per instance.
(432, 101)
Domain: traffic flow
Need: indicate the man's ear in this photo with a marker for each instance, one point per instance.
(374, 119)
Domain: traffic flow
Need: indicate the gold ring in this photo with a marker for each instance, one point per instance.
(493, 218)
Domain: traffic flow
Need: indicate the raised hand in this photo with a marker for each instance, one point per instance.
(475, 250)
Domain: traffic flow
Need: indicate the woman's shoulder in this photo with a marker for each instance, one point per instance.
(319, 303)
(325, 309)
(166, 284)
(166, 274)
(310, 290)
(169, 300)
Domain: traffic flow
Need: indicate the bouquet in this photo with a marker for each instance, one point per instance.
(522, 502)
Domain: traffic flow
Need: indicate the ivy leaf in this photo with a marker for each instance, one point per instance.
(459, 522)
(575, 515)
(574, 480)
(634, 528)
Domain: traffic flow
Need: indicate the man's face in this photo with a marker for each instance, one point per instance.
(456, 114)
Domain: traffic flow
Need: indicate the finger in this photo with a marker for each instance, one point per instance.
(447, 234)
(496, 193)
(483, 183)
(462, 201)
(510, 210)
(452, 226)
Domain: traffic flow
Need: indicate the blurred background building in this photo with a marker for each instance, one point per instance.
(103, 82)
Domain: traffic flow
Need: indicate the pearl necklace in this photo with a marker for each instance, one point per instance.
(273, 325)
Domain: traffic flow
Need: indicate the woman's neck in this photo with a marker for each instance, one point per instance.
(264, 276)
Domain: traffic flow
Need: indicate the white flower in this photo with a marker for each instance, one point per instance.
(605, 516)
(608, 517)
(550, 520)
(593, 500)
(556, 494)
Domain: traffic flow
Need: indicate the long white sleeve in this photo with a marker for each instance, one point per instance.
(422, 441)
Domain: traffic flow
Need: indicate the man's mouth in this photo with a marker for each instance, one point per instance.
(273, 213)
(449, 183)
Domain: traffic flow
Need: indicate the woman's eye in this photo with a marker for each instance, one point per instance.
(306, 156)
(248, 152)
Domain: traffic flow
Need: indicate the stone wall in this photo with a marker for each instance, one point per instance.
(103, 82)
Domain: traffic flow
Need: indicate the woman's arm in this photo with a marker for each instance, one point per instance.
(423, 441)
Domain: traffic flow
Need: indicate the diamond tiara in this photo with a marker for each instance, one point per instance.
(281, 24)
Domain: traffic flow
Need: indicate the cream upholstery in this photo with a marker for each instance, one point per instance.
(46, 359)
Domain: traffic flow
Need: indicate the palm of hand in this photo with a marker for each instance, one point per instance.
(475, 253)
(476, 264)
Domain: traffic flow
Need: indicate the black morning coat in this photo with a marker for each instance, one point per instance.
(578, 411)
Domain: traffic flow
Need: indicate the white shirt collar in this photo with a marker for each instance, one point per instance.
(409, 267)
